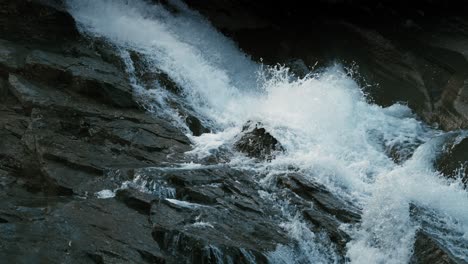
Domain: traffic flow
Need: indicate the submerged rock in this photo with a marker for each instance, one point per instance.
(256, 142)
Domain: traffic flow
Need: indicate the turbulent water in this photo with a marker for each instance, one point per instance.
(331, 133)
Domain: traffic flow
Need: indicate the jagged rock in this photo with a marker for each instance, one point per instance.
(195, 125)
(69, 130)
(197, 233)
(323, 198)
(136, 200)
(216, 215)
(152, 77)
(453, 161)
(59, 140)
(256, 142)
(88, 76)
(77, 140)
(328, 211)
(428, 250)
(427, 247)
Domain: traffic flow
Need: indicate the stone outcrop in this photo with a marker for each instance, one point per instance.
(68, 124)
(256, 142)
(78, 182)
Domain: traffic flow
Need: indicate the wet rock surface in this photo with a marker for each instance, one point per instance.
(54, 229)
(217, 217)
(427, 247)
(72, 133)
(428, 250)
(453, 160)
(328, 212)
(256, 142)
(68, 122)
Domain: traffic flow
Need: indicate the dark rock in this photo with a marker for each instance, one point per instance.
(78, 232)
(322, 198)
(453, 161)
(58, 140)
(196, 233)
(152, 77)
(88, 76)
(3, 90)
(328, 223)
(195, 125)
(428, 246)
(400, 153)
(69, 129)
(76, 140)
(37, 21)
(256, 142)
(428, 250)
(136, 200)
(103, 48)
(328, 211)
(216, 215)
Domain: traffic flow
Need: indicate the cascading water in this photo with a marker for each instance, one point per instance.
(330, 132)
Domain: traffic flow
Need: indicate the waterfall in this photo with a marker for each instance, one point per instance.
(331, 132)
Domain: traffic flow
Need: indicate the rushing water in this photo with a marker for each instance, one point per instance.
(323, 120)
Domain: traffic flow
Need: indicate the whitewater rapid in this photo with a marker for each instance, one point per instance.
(331, 133)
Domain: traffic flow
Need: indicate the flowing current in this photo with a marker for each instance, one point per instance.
(331, 133)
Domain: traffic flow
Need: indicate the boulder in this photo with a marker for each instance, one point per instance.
(195, 125)
(256, 142)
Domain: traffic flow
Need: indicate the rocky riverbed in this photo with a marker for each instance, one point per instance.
(91, 173)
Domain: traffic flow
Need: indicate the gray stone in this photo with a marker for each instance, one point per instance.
(256, 142)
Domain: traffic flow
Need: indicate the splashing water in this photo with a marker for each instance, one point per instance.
(331, 133)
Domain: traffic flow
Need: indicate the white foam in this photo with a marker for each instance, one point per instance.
(105, 194)
(184, 203)
(203, 225)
